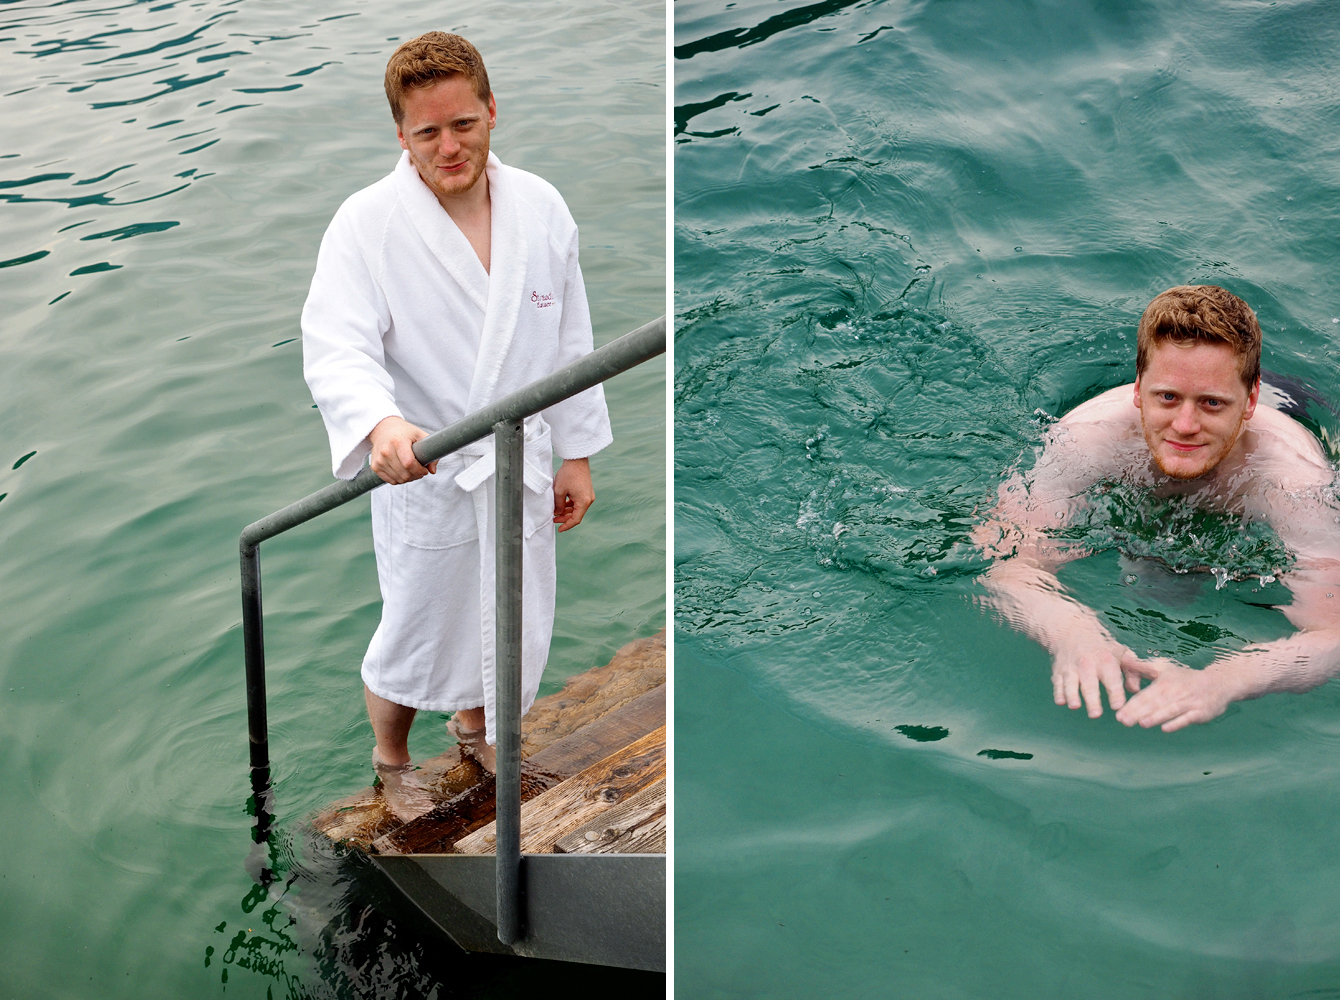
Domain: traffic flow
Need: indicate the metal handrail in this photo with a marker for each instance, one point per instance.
(504, 420)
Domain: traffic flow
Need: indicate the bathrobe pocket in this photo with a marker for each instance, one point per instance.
(435, 513)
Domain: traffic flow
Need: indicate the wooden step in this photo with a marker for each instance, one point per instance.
(635, 826)
(581, 799)
(436, 831)
(638, 667)
(635, 669)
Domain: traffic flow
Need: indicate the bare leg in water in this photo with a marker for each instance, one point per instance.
(391, 724)
(467, 725)
(405, 795)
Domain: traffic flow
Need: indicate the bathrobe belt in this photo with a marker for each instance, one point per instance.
(485, 462)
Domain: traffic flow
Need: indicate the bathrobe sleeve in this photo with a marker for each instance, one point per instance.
(581, 423)
(343, 322)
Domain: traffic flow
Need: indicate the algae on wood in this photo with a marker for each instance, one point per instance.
(460, 785)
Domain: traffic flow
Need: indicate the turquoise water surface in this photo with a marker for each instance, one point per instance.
(166, 174)
(909, 235)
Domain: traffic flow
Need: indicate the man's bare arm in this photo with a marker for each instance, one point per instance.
(1085, 656)
(1023, 585)
(1180, 696)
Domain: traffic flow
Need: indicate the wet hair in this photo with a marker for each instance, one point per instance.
(434, 56)
(1206, 314)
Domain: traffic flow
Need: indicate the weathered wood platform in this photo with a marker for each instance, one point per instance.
(593, 825)
(593, 775)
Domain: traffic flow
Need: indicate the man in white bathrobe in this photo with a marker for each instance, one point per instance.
(446, 285)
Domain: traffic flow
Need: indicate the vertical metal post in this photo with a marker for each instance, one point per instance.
(509, 449)
(253, 640)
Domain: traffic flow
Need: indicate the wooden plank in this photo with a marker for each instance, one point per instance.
(606, 735)
(635, 826)
(473, 807)
(581, 798)
(636, 668)
(362, 818)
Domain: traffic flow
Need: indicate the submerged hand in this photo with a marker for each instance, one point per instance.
(1178, 696)
(1086, 664)
(573, 492)
(393, 453)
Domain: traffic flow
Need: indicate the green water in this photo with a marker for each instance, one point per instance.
(166, 174)
(909, 235)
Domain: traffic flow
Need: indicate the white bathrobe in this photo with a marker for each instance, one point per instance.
(403, 320)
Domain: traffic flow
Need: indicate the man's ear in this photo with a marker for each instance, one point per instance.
(1252, 397)
(1137, 392)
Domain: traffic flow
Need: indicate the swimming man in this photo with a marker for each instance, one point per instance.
(1189, 426)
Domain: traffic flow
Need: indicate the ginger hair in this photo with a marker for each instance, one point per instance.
(1205, 314)
(434, 56)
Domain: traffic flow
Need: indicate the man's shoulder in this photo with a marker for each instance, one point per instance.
(532, 186)
(1097, 439)
(542, 198)
(1289, 448)
(1106, 412)
(1100, 426)
(371, 202)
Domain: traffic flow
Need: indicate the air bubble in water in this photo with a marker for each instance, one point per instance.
(1267, 578)
(1220, 578)
(1131, 579)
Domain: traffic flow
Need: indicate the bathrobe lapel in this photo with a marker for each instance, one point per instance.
(441, 235)
(507, 275)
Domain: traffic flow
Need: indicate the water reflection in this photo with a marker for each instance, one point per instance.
(155, 54)
(161, 388)
(320, 920)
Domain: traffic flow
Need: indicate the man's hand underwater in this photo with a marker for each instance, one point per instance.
(1083, 667)
(1178, 696)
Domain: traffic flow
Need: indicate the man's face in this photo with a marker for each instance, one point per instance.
(445, 128)
(1193, 406)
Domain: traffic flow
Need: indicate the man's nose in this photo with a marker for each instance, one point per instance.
(448, 146)
(1187, 421)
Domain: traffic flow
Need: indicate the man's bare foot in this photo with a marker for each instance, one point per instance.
(472, 743)
(405, 794)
